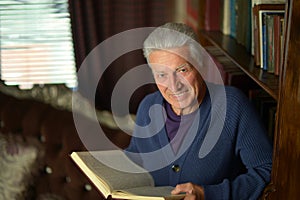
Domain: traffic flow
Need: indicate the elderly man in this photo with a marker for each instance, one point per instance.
(204, 139)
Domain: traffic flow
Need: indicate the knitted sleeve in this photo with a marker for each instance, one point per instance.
(252, 145)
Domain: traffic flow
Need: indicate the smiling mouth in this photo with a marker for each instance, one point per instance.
(178, 95)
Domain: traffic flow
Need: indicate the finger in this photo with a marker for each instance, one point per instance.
(176, 190)
(185, 187)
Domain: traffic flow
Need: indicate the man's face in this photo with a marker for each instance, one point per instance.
(177, 80)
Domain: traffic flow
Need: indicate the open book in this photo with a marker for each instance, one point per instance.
(132, 182)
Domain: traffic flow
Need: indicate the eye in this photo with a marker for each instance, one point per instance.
(185, 69)
(160, 76)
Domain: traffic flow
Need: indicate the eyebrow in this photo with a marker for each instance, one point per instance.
(180, 66)
(159, 71)
(177, 68)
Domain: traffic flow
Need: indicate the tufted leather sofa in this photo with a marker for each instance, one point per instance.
(55, 129)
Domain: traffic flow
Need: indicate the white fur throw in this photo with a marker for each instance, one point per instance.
(18, 166)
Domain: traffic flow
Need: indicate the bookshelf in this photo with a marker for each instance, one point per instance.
(285, 89)
(239, 55)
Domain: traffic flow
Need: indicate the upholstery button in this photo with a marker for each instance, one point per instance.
(48, 170)
(87, 187)
(176, 168)
(68, 179)
(42, 138)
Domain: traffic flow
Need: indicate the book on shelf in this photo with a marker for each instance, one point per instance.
(270, 43)
(255, 3)
(116, 176)
(278, 43)
(243, 23)
(256, 30)
(192, 13)
(225, 17)
(274, 42)
(233, 18)
(230, 73)
(265, 20)
(212, 15)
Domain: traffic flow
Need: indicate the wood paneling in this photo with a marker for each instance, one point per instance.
(287, 155)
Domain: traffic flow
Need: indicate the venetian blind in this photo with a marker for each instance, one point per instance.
(36, 45)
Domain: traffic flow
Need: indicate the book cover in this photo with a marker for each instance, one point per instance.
(274, 42)
(116, 176)
(270, 42)
(233, 9)
(231, 74)
(225, 17)
(255, 3)
(255, 27)
(201, 14)
(212, 15)
(263, 35)
(282, 40)
(263, 40)
(277, 44)
(192, 11)
(243, 23)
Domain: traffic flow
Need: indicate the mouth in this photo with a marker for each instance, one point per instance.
(179, 94)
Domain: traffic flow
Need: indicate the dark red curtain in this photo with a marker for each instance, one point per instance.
(94, 21)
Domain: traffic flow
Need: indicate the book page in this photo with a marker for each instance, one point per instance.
(115, 179)
(147, 193)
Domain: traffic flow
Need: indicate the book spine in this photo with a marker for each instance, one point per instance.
(225, 25)
(256, 35)
(270, 42)
(277, 44)
(248, 35)
(192, 14)
(212, 13)
(230, 73)
(233, 8)
(256, 9)
(282, 26)
(264, 48)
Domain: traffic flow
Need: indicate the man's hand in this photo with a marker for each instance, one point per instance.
(193, 192)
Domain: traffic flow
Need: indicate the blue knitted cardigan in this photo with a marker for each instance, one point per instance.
(238, 158)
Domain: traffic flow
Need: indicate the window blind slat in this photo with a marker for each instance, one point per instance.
(36, 44)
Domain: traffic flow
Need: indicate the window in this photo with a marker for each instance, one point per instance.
(36, 45)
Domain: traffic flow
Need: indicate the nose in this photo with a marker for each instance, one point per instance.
(174, 83)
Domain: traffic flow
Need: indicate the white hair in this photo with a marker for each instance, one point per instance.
(173, 35)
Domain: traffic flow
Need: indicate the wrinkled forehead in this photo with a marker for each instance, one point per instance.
(169, 56)
(183, 52)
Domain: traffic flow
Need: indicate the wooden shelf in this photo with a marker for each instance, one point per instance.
(239, 55)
